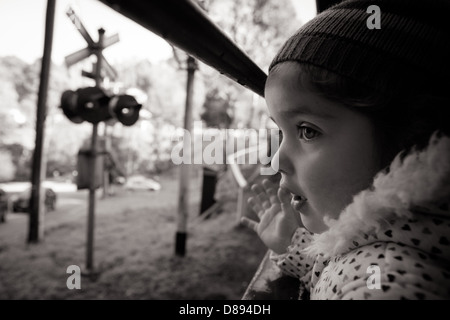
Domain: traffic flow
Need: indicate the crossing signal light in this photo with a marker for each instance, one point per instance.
(69, 106)
(125, 108)
(94, 105)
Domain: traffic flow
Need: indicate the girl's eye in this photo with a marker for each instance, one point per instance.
(307, 133)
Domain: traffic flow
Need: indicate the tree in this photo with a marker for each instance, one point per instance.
(7, 169)
(8, 103)
(12, 70)
(148, 143)
(259, 28)
(19, 84)
(217, 110)
(164, 84)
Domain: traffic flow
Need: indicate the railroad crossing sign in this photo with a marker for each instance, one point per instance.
(101, 66)
(92, 48)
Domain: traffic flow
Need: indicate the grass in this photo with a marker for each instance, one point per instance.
(134, 251)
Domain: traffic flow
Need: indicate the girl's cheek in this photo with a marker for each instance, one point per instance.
(327, 188)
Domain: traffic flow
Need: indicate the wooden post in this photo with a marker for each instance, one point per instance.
(106, 173)
(183, 197)
(36, 228)
(92, 185)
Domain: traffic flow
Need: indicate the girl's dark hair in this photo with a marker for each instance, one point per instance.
(405, 112)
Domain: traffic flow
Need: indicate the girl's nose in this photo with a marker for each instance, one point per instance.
(280, 161)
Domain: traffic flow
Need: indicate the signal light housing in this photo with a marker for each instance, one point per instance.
(94, 105)
(125, 108)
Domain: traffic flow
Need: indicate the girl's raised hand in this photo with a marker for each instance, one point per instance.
(277, 221)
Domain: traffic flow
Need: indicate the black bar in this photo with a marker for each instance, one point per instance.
(180, 243)
(208, 189)
(184, 24)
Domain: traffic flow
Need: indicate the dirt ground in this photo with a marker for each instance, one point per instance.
(134, 251)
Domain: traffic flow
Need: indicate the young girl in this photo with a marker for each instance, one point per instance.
(362, 209)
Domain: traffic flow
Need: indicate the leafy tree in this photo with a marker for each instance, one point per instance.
(258, 27)
(12, 71)
(148, 143)
(21, 160)
(8, 103)
(7, 169)
(218, 110)
(19, 83)
(164, 84)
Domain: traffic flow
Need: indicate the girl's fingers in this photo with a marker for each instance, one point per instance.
(249, 223)
(261, 196)
(257, 189)
(256, 206)
(267, 184)
(270, 214)
(271, 190)
(285, 199)
(267, 195)
(284, 196)
(265, 203)
(273, 197)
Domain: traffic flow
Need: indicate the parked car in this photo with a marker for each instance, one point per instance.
(3, 205)
(21, 201)
(141, 183)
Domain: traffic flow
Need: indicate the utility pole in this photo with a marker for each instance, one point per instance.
(93, 158)
(183, 197)
(36, 216)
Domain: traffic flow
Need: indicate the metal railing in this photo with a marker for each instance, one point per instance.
(184, 24)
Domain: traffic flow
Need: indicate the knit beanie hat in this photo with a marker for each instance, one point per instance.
(413, 42)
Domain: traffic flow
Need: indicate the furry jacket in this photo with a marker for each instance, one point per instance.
(391, 242)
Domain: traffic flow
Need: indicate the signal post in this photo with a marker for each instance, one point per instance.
(93, 156)
(94, 105)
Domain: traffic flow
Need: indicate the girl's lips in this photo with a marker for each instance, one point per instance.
(297, 202)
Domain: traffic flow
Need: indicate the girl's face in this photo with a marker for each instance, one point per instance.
(327, 152)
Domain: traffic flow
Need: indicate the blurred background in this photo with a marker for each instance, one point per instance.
(136, 212)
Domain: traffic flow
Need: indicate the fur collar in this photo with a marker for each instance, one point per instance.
(419, 183)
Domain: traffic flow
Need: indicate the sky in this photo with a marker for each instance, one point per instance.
(22, 25)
